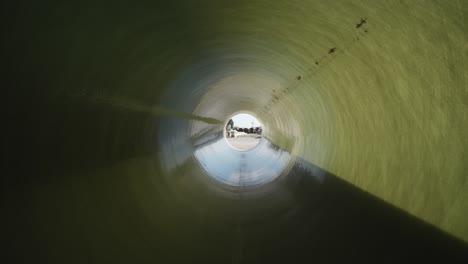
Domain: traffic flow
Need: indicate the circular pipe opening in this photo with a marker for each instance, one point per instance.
(243, 132)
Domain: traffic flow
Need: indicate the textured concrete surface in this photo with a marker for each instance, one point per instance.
(244, 142)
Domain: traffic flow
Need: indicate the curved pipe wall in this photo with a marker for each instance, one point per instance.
(114, 112)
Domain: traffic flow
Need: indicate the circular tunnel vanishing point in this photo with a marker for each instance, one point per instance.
(115, 115)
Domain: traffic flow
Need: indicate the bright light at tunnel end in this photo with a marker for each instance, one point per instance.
(243, 131)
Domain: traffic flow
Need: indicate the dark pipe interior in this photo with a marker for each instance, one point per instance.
(114, 148)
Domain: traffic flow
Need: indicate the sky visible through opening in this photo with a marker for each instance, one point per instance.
(245, 121)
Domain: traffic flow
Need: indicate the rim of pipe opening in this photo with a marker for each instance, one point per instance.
(243, 142)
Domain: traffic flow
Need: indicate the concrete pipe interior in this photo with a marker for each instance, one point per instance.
(114, 141)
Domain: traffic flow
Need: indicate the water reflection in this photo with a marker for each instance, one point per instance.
(257, 166)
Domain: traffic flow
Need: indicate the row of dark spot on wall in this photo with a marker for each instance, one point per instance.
(276, 95)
